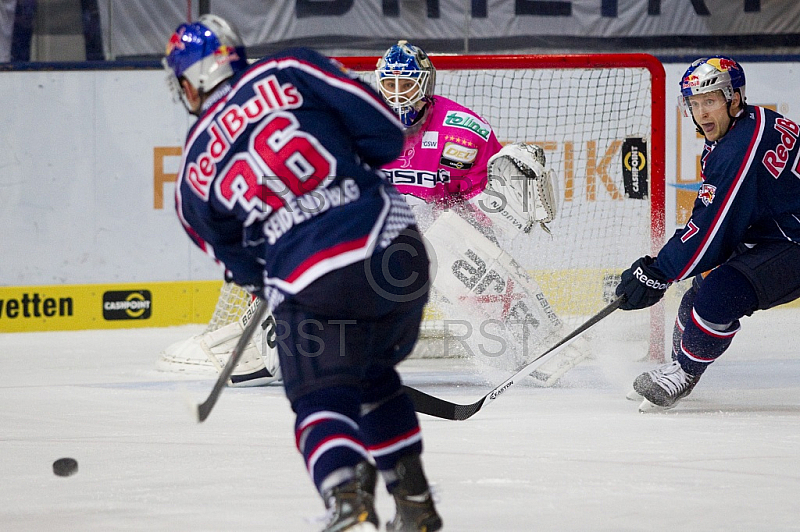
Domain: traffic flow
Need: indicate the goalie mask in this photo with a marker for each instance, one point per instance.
(709, 74)
(206, 53)
(406, 80)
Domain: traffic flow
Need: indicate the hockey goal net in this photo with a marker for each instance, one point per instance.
(600, 120)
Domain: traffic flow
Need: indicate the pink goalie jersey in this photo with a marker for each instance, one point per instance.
(447, 157)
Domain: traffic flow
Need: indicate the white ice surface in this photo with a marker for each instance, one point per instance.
(573, 458)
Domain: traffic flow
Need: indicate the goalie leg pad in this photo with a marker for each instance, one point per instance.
(251, 369)
(480, 278)
(476, 275)
(549, 373)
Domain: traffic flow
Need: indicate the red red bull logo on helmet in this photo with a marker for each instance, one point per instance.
(225, 54)
(723, 64)
(690, 81)
(225, 50)
(176, 42)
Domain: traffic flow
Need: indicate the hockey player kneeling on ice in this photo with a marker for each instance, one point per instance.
(461, 167)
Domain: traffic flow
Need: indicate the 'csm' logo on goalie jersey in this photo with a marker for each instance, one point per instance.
(423, 178)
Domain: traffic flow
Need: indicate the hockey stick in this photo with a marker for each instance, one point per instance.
(204, 408)
(433, 406)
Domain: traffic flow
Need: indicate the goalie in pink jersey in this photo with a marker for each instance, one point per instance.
(451, 153)
(447, 145)
(452, 161)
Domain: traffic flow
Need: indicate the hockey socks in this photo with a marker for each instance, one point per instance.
(327, 435)
(390, 430)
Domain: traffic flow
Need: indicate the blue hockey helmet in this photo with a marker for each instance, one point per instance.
(205, 52)
(406, 80)
(709, 74)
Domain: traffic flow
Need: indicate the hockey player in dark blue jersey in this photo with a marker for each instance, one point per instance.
(279, 182)
(742, 242)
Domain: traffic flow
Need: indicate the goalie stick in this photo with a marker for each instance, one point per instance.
(204, 408)
(434, 406)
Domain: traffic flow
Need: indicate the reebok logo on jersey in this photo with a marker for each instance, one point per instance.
(775, 160)
(648, 282)
(706, 194)
(466, 121)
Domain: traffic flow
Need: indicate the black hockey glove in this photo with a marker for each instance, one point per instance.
(641, 285)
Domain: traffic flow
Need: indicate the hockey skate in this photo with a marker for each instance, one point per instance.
(412, 496)
(351, 505)
(662, 387)
(633, 395)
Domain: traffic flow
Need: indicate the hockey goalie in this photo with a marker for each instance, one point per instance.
(468, 194)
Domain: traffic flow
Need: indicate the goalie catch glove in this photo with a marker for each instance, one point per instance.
(522, 192)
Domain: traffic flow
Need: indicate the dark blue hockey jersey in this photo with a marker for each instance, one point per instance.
(750, 193)
(279, 179)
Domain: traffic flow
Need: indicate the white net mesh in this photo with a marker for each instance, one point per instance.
(581, 117)
(232, 302)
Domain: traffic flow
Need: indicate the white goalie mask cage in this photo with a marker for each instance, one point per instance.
(405, 76)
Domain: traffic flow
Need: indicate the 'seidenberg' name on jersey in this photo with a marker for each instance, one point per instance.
(313, 203)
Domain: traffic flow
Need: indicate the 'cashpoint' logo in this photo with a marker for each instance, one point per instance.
(127, 305)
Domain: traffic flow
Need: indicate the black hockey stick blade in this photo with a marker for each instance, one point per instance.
(204, 408)
(436, 407)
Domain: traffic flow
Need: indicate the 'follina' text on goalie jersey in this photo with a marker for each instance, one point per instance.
(750, 193)
(279, 181)
(447, 157)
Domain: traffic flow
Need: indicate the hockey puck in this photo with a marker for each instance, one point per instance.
(64, 467)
